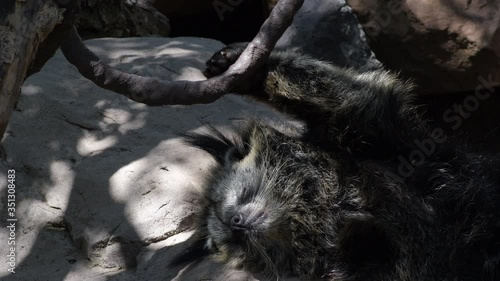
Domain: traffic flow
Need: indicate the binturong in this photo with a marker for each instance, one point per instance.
(329, 201)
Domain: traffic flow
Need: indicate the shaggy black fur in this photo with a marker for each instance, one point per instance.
(367, 192)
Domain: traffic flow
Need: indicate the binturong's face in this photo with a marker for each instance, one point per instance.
(246, 217)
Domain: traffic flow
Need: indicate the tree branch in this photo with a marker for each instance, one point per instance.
(154, 92)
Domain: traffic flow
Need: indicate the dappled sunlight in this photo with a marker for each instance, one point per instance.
(106, 104)
(162, 184)
(120, 119)
(106, 44)
(36, 216)
(169, 61)
(62, 176)
(138, 122)
(114, 171)
(123, 181)
(472, 23)
(91, 144)
(31, 90)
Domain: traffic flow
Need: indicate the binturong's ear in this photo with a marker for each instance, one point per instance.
(234, 154)
(225, 149)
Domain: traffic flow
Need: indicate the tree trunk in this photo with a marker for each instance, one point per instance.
(23, 26)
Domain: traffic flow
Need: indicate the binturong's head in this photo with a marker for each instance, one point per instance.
(245, 220)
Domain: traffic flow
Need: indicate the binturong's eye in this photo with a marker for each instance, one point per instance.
(234, 155)
(247, 193)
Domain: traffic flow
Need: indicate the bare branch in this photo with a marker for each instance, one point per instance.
(154, 92)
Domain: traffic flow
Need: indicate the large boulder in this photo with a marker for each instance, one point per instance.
(329, 30)
(447, 46)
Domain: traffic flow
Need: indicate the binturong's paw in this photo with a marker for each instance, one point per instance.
(223, 59)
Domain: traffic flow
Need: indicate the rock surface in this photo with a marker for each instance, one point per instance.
(121, 18)
(104, 184)
(445, 45)
(329, 30)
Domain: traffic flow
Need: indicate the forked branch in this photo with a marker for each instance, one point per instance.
(154, 92)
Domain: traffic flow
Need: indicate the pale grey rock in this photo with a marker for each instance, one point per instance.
(105, 183)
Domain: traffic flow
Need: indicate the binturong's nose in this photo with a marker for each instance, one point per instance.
(237, 222)
(241, 222)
